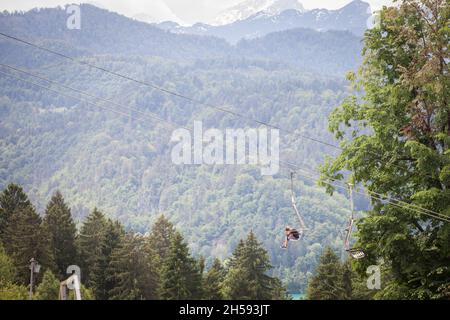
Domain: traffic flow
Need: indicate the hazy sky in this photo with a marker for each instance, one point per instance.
(188, 11)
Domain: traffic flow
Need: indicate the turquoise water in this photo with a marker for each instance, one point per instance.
(297, 296)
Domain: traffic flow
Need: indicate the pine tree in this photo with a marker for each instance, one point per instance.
(238, 254)
(347, 280)
(247, 274)
(97, 240)
(327, 284)
(59, 226)
(181, 277)
(27, 239)
(212, 282)
(90, 244)
(161, 236)
(101, 282)
(133, 270)
(48, 289)
(279, 291)
(12, 199)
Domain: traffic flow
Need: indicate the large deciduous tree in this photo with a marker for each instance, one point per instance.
(395, 136)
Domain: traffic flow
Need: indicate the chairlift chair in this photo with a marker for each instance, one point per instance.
(355, 253)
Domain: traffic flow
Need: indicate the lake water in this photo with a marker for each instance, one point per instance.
(297, 296)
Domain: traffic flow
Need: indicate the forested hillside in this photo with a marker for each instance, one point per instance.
(122, 166)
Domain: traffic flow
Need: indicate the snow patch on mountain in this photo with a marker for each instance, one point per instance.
(249, 8)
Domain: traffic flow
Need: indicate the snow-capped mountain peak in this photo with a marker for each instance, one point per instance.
(249, 8)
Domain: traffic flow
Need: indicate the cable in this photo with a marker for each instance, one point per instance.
(435, 215)
(381, 196)
(438, 216)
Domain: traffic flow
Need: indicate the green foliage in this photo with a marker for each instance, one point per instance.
(27, 239)
(331, 281)
(246, 277)
(12, 199)
(7, 272)
(90, 243)
(48, 289)
(98, 238)
(13, 292)
(400, 148)
(160, 238)
(9, 290)
(181, 278)
(102, 282)
(60, 228)
(212, 281)
(133, 270)
(86, 294)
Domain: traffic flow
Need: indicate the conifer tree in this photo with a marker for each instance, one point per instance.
(59, 226)
(48, 289)
(101, 282)
(181, 277)
(133, 270)
(247, 274)
(212, 282)
(97, 240)
(12, 199)
(161, 236)
(327, 284)
(90, 244)
(27, 240)
(347, 280)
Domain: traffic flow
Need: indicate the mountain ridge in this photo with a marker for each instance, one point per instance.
(352, 17)
(105, 32)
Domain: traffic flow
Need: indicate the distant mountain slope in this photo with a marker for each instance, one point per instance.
(105, 32)
(353, 17)
(304, 48)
